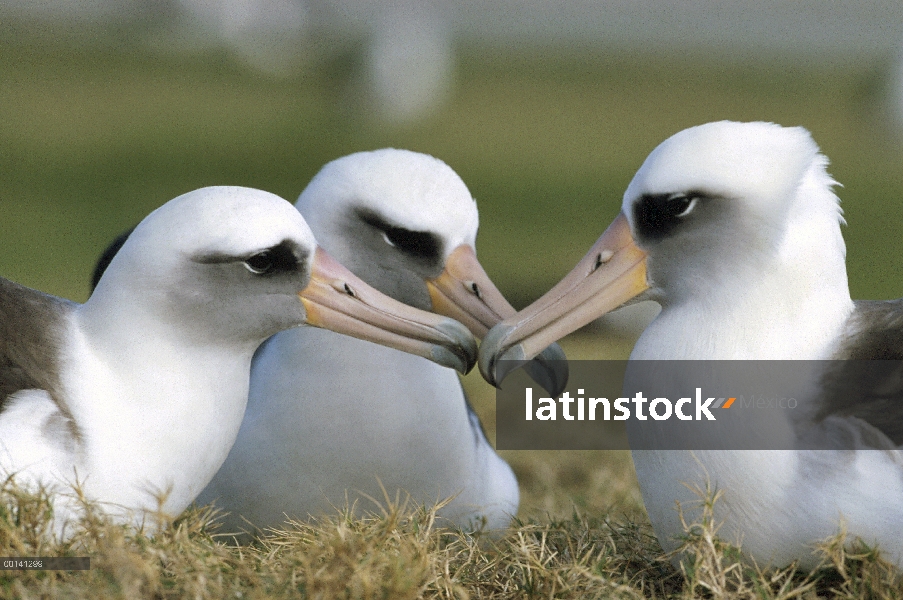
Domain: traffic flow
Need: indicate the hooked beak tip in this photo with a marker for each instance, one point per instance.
(493, 350)
(550, 369)
(461, 355)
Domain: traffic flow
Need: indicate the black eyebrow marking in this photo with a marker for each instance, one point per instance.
(657, 215)
(420, 244)
(285, 256)
(278, 259)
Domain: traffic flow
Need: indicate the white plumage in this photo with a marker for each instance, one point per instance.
(735, 230)
(137, 395)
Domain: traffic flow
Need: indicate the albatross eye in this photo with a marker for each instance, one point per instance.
(261, 263)
(421, 244)
(658, 214)
(278, 259)
(418, 244)
(683, 205)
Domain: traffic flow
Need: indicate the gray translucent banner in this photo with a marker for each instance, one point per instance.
(707, 405)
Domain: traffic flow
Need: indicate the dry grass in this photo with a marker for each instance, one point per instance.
(399, 552)
(581, 533)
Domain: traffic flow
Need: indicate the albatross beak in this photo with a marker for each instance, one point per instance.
(337, 300)
(611, 273)
(464, 292)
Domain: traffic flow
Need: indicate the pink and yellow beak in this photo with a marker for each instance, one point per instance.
(337, 300)
(464, 292)
(612, 273)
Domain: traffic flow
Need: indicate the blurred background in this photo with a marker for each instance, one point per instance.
(109, 108)
(546, 109)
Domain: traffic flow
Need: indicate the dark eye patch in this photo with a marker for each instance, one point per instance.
(419, 244)
(416, 243)
(656, 215)
(278, 259)
(284, 257)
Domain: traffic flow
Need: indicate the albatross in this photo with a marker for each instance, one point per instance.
(734, 228)
(136, 396)
(332, 419)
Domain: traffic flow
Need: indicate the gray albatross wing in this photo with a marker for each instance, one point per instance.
(866, 380)
(31, 329)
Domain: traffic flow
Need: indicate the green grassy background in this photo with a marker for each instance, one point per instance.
(92, 138)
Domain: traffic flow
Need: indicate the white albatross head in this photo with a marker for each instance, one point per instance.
(393, 217)
(406, 223)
